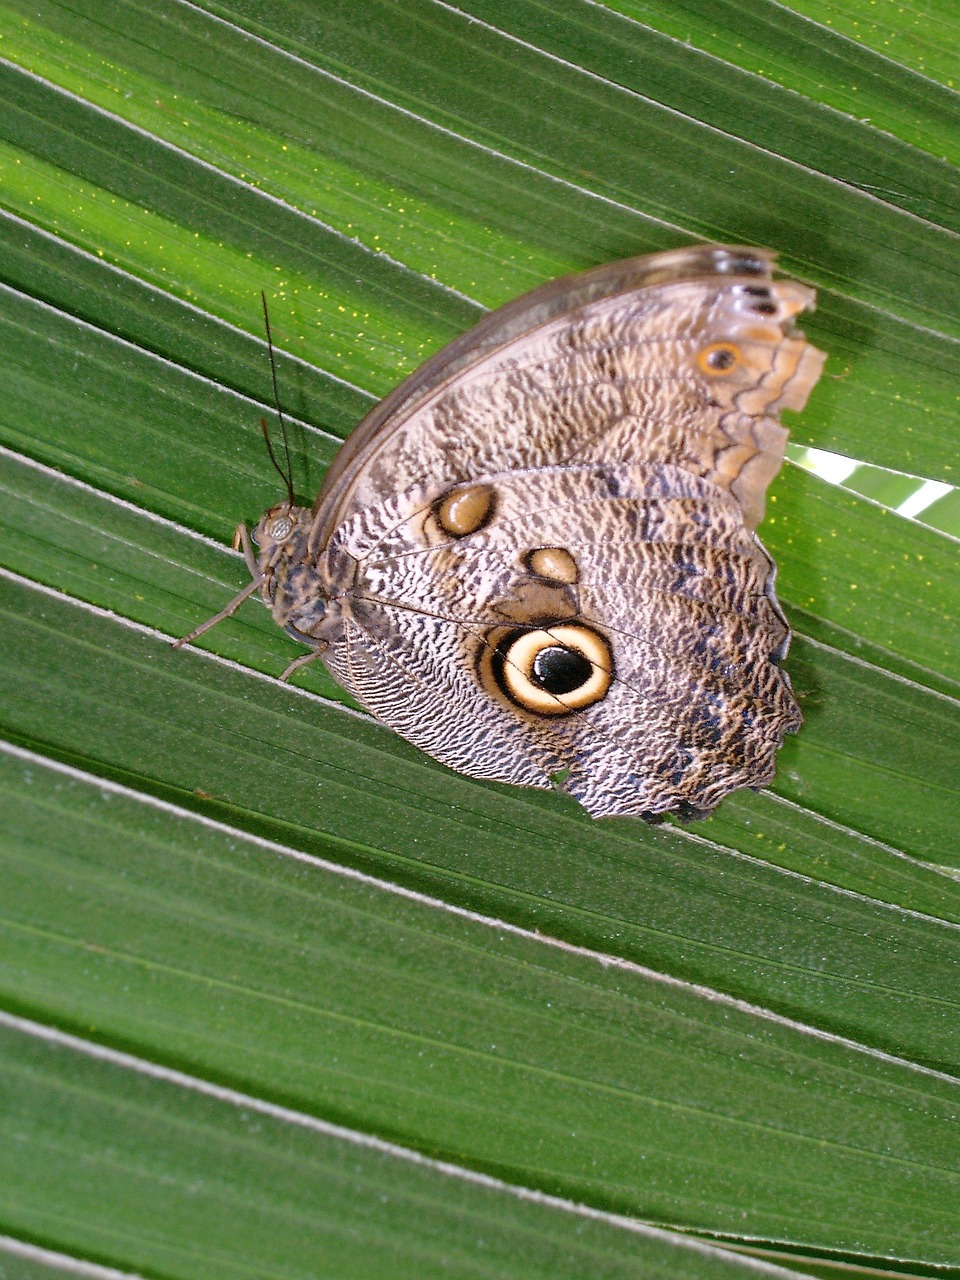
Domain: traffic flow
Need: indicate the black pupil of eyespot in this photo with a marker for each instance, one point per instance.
(722, 358)
(559, 670)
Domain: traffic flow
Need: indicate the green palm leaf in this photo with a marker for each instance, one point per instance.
(278, 994)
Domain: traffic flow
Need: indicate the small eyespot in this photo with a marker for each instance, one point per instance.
(764, 305)
(464, 511)
(718, 358)
(279, 528)
(556, 564)
(554, 671)
(738, 265)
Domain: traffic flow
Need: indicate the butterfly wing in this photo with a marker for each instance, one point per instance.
(643, 582)
(683, 357)
(541, 550)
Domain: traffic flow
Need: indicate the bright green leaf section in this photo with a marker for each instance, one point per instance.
(944, 514)
(867, 570)
(304, 987)
(929, 502)
(921, 36)
(820, 63)
(886, 487)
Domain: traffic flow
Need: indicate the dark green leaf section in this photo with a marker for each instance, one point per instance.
(347, 1001)
(267, 759)
(877, 744)
(782, 833)
(197, 454)
(198, 1187)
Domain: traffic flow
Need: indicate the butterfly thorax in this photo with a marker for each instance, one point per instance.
(299, 594)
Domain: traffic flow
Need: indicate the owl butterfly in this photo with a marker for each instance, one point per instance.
(536, 558)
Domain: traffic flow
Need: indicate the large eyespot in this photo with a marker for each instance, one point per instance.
(554, 671)
(279, 528)
(719, 358)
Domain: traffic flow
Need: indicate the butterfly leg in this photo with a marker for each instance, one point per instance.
(241, 542)
(304, 659)
(241, 539)
(231, 608)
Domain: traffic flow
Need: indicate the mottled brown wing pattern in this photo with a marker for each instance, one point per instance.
(690, 369)
(654, 564)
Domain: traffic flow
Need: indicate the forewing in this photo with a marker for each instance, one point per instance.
(683, 358)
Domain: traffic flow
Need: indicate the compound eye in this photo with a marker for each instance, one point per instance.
(554, 671)
(279, 528)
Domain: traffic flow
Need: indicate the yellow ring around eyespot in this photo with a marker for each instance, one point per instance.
(718, 351)
(518, 669)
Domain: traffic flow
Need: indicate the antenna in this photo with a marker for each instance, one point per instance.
(285, 476)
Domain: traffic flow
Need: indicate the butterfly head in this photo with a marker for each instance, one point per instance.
(289, 580)
(280, 532)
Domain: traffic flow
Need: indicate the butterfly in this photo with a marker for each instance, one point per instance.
(536, 558)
